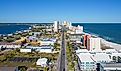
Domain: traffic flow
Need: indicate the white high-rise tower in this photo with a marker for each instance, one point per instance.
(94, 44)
(56, 26)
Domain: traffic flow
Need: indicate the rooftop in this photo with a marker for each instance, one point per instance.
(6, 43)
(101, 57)
(85, 57)
(42, 60)
(82, 51)
(7, 68)
(41, 47)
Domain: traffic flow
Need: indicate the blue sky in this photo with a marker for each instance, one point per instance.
(50, 10)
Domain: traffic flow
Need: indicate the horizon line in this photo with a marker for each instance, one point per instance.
(53, 22)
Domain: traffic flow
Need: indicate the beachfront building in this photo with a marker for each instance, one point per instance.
(86, 63)
(9, 45)
(102, 58)
(79, 29)
(66, 24)
(75, 37)
(116, 57)
(56, 26)
(70, 26)
(108, 62)
(86, 39)
(9, 34)
(94, 44)
(75, 30)
(43, 62)
(25, 50)
(112, 67)
(76, 34)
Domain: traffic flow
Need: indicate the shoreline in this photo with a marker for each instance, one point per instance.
(107, 43)
(111, 44)
(104, 37)
(17, 31)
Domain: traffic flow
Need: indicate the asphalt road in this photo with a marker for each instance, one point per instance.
(62, 64)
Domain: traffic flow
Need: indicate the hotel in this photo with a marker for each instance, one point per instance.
(94, 44)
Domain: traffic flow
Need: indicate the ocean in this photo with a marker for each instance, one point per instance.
(109, 31)
(12, 28)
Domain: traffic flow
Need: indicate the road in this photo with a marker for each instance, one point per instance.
(62, 59)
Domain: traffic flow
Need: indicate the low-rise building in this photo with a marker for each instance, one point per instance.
(25, 50)
(116, 57)
(110, 51)
(45, 49)
(31, 38)
(75, 37)
(5, 68)
(102, 58)
(19, 41)
(47, 41)
(9, 45)
(86, 63)
(35, 33)
(82, 51)
(42, 62)
(112, 67)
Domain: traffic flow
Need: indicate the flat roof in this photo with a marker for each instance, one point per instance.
(42, 60)
(112, 65)
(101, 57)
(39, 47)
(7, 43)
(82, 50)
(7, 68)
(85, 57)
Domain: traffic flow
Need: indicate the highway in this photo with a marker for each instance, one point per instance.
(62, 63)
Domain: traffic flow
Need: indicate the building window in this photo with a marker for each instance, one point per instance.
(87, 62)
(82, 62)
(91, 62)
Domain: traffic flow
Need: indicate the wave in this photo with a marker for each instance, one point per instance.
(94, 34)
(98, 35)
(108, 38)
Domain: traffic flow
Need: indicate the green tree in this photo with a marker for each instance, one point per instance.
(23, 69)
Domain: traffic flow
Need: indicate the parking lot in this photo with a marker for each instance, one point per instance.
(23, 59)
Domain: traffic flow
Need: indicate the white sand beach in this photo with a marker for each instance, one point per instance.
(111, 44)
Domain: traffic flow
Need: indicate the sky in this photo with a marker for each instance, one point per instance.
(63, 10)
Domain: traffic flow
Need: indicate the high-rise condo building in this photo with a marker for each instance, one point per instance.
(56, 26)
(94, 44)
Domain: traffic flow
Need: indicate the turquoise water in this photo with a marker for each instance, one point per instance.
(108, 31)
